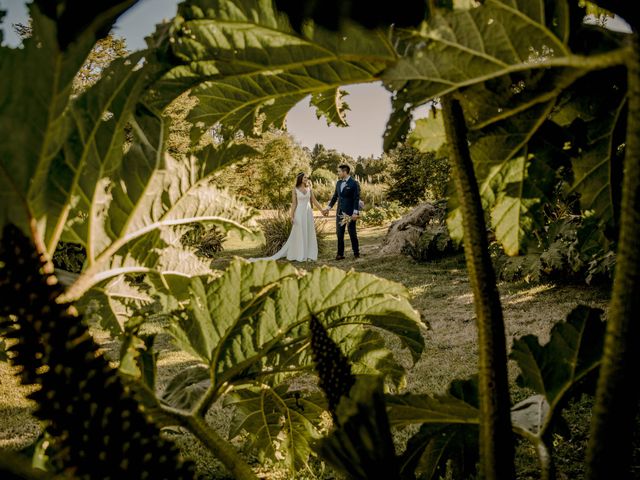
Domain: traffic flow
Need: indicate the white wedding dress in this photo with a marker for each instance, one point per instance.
(302, 244)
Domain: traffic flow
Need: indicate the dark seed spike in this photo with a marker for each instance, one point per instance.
(51, 335)
(331, 365)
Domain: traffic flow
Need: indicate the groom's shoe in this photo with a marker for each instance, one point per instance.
(356, 256)
(339, 257)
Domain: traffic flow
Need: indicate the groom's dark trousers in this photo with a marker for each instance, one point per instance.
(353, 236)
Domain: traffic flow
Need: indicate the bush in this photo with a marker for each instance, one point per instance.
(324, 176)
(373, 194)
(385, 213)
(206, 241)
(573, 248)
(323, 192)
(277, 227)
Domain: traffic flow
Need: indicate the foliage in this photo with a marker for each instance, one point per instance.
(69, 256)
(95, 173)
(266, 179)
(446, 443)
(513, 110)
(206, 241)
(372, 169)
(362, 446)
(105, 51)
(280, 161)
(324, 159)
(382, 214)
(276, 229)
(250, 329)
(92, 170)
(323, 176)
(573, 248)
(416, 176)
(252, 89)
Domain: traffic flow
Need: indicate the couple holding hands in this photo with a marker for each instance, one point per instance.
(302, 244)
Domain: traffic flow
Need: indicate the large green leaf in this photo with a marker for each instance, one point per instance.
(436, 445)
(148, 198)
(245, 63)
(573, 352)
(262, 309)
(251, 326)
(508, 62)
(466, 47)
(411, 409)
(330, 104)
(94, 150)
(594, 111)
(362, 446)
(281, 422)
(35, 91)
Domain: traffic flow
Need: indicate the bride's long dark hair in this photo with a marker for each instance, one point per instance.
(299, 179)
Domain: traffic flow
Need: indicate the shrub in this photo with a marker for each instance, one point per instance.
(573, 248)
(206, 241)
(277, 227)
(386, 212)
(323, 191)
(372, 194)
(324, 176)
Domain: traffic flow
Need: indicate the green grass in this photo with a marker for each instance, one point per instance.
(441, 292)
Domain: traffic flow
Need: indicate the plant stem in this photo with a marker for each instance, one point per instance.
(609, 450)
(545, 457)
(218, 446)
(496, 442)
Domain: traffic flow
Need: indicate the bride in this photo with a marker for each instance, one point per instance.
(302, 244)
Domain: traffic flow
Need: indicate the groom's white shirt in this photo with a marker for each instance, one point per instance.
(344, 182)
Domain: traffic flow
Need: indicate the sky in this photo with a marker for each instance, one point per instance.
(370, 103)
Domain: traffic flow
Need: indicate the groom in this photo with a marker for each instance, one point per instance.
(347, 194)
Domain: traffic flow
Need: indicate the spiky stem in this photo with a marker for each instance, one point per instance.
(496, 442)
(609, 450)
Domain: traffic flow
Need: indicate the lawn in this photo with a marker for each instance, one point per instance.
(440, 291)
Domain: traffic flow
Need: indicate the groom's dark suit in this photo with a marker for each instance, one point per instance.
(347, 194)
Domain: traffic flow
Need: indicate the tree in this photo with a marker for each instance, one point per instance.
(280, 161)
(267, 179)
(372, 169)
(416, 176)
(321, 158)
(105, 51)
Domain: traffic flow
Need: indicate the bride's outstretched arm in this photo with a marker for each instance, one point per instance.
(315, 202)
